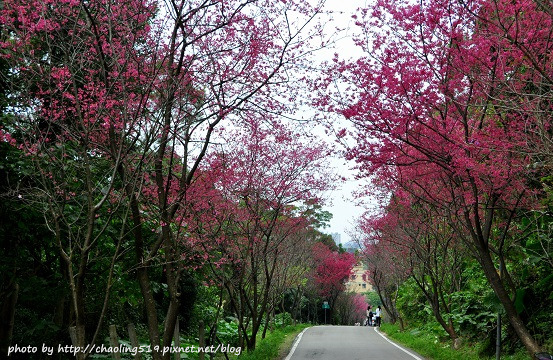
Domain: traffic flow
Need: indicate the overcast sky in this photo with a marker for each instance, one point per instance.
(343, 208)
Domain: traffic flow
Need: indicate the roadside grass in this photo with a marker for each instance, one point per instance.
(275, 346)
(428, 345)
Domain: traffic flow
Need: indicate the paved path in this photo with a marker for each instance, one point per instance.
(347, 343)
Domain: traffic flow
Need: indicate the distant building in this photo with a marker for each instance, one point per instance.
(358, 281)
(337, 237)
(352, 246)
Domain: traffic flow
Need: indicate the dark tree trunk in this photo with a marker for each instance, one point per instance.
(7, 317)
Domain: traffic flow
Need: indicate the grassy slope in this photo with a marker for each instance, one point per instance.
(275, 346)
(428, 346)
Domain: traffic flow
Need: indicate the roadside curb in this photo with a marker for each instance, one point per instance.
(296, 343)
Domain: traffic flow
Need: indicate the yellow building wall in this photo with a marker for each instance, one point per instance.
(357, 282)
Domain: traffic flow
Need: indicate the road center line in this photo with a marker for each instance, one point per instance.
(396, 345)
(295, 345)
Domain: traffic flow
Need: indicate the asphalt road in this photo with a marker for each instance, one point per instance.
(347, 343)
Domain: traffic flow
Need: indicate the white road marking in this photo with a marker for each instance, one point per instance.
(296, 343)
(396, 345)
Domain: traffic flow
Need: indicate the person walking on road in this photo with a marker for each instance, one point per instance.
(378, 314)
(369, 316)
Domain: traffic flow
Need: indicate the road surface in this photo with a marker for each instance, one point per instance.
(347, 343)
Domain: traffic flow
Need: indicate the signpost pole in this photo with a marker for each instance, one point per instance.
(325, 306)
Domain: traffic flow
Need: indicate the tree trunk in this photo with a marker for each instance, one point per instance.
(114, 342)
(512, 315)
(133, 338)
(77, 334)
(266, 325)
(7, 317)
(150, 308)
(170, 324)
(433, 299)
(448, 329)
(142, 273)
(251, 343)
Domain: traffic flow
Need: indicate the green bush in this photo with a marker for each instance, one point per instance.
(270, 347)
(283, 319)
(227, 331)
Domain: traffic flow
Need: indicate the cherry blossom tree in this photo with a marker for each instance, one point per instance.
(387, 260)
(259, 179)
(68, 89)
(331, 272)
(431, 254)
(116, 104)
(448, 106)
(350, 308)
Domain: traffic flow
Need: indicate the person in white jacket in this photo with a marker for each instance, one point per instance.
(377, 314)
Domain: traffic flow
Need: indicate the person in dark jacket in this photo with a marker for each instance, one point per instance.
(369, 316)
